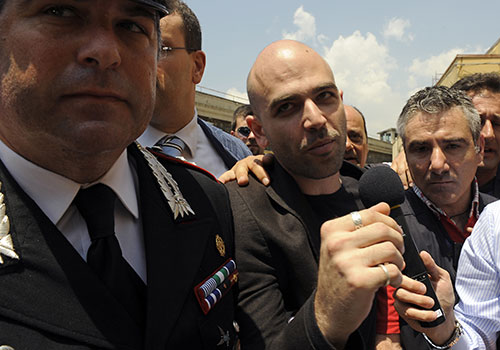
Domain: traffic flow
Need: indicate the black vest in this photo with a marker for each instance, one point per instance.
(430, 235)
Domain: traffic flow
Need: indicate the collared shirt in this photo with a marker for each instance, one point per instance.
(54, 195)
(387, 317)
(455, 233)
(199, 150)
(478, 283)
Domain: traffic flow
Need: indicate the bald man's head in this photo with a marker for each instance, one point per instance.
(280, 61)
(356, 150)
(298, 109)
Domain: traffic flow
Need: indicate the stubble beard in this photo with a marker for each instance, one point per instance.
(305, 165)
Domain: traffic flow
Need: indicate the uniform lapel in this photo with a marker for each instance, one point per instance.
(174, 251)
(51, 288)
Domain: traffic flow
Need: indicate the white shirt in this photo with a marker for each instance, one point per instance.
(478, 283)
(199, 150)
(54, 195)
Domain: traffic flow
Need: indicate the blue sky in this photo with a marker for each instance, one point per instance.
(380, 51)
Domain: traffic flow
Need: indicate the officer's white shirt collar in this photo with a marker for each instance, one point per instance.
(188, 134)
(54, 193)
(200, 149)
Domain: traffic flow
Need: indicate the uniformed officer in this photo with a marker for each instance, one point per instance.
(101, 246)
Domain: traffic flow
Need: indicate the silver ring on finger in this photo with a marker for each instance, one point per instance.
(387, 276)
(356, 220)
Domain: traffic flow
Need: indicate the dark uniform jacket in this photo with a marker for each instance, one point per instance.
(50, 299)
(277, 245)
(430, 235)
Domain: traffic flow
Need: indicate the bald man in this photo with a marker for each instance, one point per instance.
(356, 148)
(310, 263)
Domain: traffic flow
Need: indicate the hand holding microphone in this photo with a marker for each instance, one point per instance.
(353, 249)
(382, 184)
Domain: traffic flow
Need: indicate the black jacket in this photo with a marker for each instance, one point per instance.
(277, 237)
(430, 235)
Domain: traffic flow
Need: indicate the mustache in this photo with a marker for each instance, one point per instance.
(314, 137)
(437, 178)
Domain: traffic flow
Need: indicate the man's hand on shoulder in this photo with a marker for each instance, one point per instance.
(400, 166)
(352, 248)
(242, 168)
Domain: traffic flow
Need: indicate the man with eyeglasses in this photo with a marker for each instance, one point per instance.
(240, 129)
(180, 68)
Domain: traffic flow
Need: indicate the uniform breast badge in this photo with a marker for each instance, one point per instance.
(178, 204)
(221, 247)
(212, 289)
(6, 244)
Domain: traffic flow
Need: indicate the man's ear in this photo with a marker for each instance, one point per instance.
(256, 126)
(199, 60)
(341, 93)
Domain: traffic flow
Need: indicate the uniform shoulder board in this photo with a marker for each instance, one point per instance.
(162, 157)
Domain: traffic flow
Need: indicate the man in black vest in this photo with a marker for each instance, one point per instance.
(442, 140)
(102, 246)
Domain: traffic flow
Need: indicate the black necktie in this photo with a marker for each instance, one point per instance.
(96, 205)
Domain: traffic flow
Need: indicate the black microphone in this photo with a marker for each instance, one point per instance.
(382, 184)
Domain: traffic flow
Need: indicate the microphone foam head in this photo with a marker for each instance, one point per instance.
(381, 184)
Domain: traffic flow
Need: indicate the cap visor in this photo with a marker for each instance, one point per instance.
(154, 5)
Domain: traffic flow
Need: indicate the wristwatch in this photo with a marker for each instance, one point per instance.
(452, 341)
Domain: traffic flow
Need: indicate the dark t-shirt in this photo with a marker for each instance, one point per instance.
(330, 206)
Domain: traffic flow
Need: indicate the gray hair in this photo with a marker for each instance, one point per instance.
(438, 99)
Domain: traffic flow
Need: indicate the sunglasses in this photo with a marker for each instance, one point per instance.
(244, 131)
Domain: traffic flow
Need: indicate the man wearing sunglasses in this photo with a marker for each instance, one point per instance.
(240, 129)
(180, 68)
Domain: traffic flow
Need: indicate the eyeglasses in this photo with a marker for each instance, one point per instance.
(166, 49)
(244, 131)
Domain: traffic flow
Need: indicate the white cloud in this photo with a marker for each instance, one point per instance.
(362, 69)
(361, 64)
(240, 96)
(426, 71)
(396, 28)
(323, 39)
(306, 24)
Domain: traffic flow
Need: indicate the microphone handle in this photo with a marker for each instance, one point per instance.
(424, 278)
(415, 267)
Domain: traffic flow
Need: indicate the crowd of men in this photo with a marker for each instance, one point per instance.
(111, 243)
